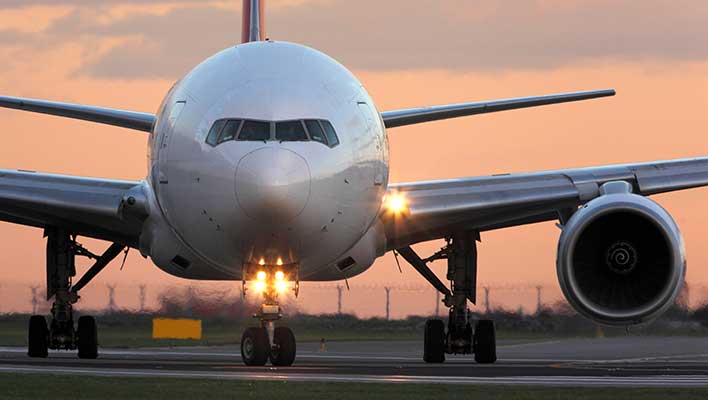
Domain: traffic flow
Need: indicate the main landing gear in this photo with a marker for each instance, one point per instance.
(460, 337)
(60, 333)
(268, 342)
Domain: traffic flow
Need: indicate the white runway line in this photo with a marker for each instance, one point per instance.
(508, 346)
(638, 381)
(303, 354)
(348, 356)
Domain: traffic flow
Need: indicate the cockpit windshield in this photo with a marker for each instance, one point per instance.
(316, 132)
(255, 130)
(230, 130)
(290, 131)
(213, 137)
(225, 130)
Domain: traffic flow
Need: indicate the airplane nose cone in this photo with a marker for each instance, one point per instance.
(272, 184)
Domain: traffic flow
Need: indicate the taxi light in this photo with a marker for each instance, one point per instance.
(260, 286)
(261, 276)
(281, 286)
(279, 276)
(396, 203)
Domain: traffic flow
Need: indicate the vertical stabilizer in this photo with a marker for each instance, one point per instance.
(253, 21)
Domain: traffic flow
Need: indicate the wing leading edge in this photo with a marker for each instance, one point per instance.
(411, 116)
(435, 209)
(123, 118)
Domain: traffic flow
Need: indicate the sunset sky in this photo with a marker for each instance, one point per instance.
(127, 53)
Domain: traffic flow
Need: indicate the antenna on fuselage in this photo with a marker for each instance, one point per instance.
(253, 21)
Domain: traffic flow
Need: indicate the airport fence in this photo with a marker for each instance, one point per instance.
(386, 301)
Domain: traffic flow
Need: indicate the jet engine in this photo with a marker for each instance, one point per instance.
(621, 258)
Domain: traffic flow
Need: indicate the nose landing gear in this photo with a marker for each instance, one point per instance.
(268, 342)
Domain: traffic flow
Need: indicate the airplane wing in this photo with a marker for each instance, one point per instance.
(105, 209)
(411, 116)
(435, 209)
(110, 116)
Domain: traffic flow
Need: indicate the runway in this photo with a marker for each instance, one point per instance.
(628, 361)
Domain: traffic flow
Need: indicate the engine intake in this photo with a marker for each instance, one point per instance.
(621, 258)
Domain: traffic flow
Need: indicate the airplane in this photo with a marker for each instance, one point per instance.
(269, 165)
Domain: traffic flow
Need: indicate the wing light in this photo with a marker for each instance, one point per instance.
(396, 203)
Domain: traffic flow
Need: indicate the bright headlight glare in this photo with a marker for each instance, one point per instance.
(281, 286)
(396, 203)
(261, 276)
(279, 276)
(259, 286)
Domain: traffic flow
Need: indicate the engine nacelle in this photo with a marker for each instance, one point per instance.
(621, 258)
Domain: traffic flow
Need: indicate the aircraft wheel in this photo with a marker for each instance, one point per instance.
(87, 338)
(283, 353)
(38, 337)
(485, 342)
(434, 341)
(255, 347)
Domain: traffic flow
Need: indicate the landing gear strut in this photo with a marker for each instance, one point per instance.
(268, 342)
(60, 334)
(460, 337)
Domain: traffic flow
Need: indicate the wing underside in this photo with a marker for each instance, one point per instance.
(105, 209)
(435, 209)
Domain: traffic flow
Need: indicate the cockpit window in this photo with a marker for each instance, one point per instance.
(225, 130)
(230, 130)
(316, 132)
(215, 131)
(331, 134)
(255, 130)
(290, 131)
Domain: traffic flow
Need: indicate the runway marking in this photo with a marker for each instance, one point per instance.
(507, 346)
(652, 358)
(643, 381)
(312, 355)
(346, 356)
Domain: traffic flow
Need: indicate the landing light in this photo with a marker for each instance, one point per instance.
(396, 203)
(279, 262)
(280, 286)
(261, 276)
(260, 286)
(261, 262)
(279, 276)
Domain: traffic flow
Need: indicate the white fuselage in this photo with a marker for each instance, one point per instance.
(218, 207)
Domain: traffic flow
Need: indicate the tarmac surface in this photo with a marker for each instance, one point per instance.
(626, 361)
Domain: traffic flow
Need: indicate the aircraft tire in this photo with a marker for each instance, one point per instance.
(485, 342)
(255, 347)
(284, 353)
(38, 337)
(434, 342)
(87, 338)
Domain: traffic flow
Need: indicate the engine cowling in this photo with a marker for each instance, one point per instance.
(621, 258)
